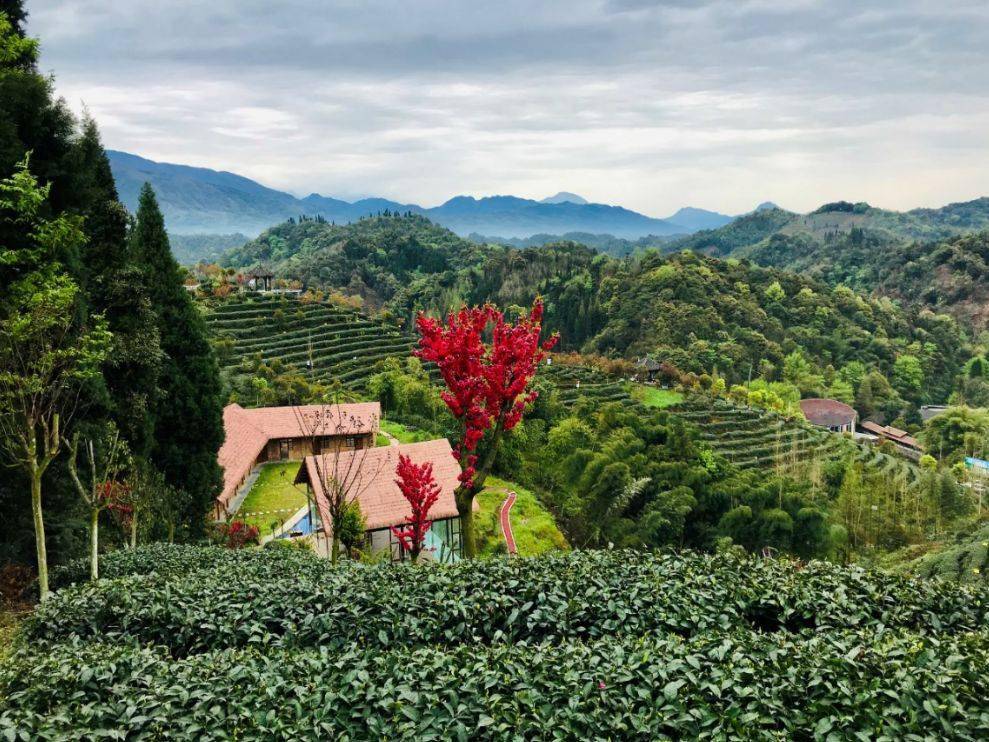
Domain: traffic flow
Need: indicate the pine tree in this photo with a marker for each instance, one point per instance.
(188, 417)
(115, 288)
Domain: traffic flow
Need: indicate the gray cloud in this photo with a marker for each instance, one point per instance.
(653, 105)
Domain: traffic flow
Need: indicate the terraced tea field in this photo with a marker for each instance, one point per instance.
(575, 382)
(343, 344)
(758, 438)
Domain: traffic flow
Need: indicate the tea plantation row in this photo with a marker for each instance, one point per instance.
(297, 600)
(342, 344)
(206, 643)
(867, 684)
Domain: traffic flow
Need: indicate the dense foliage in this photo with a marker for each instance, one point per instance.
(590, 643)
(700, 314)
(81, 248)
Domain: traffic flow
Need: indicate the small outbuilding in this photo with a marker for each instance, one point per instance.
(650, 367)
(900, 438)
(829, 413)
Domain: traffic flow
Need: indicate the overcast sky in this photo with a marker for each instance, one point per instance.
(651, 105)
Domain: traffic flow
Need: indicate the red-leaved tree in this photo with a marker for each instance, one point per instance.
(487, 386)
(420, 489)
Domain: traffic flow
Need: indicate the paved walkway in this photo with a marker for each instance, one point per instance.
(234, 505)
(392, 440)
(506, 523)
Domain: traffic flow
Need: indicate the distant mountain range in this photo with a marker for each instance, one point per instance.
(203, 201)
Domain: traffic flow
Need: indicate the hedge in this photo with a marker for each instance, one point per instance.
(867, 684)
(297, 600)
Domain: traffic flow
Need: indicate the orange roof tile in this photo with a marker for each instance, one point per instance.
(372, 474)
(249, 430)
(827, 413)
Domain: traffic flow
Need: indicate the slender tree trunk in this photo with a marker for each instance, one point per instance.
(334, 548)
(94, 544)
(39, 531)
(171, 532)
(465, 497)
(133, 529)
(465, 507)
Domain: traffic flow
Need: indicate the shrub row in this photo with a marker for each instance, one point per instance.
(165, 560)
(298, 600)
(867, 684)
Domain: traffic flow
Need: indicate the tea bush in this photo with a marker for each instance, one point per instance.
(170, 560)
(209, 643)
(848, 684)
(291, 599)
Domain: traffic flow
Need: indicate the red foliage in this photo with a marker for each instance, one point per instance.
(420, 489)
(237, 534)
(487, 383)
(113, 497)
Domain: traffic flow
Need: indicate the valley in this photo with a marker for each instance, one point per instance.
(285, 466)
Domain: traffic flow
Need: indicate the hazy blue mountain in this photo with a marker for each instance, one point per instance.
(203, 201)
(199, 200)
(510, 216)
(565, 197)
(692, 219)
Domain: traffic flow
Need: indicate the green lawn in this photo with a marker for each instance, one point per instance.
(382, 440)
(273, 490)
(534, 528)
(405, 434)
(653, 396)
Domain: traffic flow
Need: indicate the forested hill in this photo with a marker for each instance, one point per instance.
(934, 258)
(833, 221)
(701, 313)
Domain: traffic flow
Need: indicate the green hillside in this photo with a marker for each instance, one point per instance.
(934, 258)
(343, 345)
(699, 313)
(842, 218)
(950, 276)
(962, 556)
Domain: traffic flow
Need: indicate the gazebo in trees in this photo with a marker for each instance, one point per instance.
(650, 366)
(260, 279)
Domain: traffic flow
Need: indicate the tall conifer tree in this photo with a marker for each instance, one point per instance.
(115, 287)
(188, 418)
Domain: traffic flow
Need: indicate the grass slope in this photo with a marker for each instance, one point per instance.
(273, 496)
(533, 526)
(652, 396)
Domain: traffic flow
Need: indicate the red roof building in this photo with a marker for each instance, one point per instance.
(369, 477)
(257, 435)
(895, 435)
(829, 413)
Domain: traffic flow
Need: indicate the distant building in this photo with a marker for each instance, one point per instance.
(829, 413)
(374, 488)
(260, 279)
(254, 436)
(649, 367)
(929, 411)
(900, 438)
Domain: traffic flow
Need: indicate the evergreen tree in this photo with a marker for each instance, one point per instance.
(32, 119)
(115, 288)
(188, 417)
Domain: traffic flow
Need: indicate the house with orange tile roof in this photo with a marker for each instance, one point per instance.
(829, 413)
(370, 477)
(258, 435)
